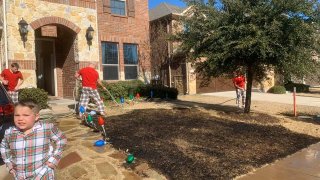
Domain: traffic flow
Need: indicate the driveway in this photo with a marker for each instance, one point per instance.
(301, 99)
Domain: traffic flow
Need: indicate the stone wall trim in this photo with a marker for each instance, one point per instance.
(54, 20)
(91, 4)
(24, 64)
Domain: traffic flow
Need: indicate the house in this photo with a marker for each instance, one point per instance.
(52, 39)
(172, 66)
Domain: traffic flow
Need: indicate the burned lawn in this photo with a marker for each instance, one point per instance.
(190, 144)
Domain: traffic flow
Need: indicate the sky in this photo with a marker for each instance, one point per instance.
(155, 3)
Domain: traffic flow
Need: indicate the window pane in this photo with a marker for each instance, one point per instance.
(109, 53)
(131, 72)
(118, 7)
(110, 72)
(130, 54)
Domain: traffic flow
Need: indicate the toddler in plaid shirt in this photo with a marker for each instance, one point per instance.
(27, 147)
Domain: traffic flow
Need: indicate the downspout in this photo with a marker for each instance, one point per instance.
(187, 76)
(169, 52)
(98, 36)
(5, 34)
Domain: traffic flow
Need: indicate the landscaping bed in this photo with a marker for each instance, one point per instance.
(189, 143)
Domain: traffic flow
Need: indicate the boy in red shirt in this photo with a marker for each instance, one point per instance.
(12, 79)
(239, 82)
(90, 78)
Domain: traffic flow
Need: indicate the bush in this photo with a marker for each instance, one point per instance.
(121, 89)
(299, 87)
(277, 90)
(159, 92)
(39, 96)
(125, 88)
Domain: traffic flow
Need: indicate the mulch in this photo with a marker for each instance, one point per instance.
(192, 144)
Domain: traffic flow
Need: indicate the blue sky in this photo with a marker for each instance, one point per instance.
(154, 3)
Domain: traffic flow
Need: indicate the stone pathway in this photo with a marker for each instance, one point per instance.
(83, 160)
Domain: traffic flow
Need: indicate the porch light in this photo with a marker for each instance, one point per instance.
(23, 29)
(89, 34)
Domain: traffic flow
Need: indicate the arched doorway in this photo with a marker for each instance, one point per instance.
(56, 56)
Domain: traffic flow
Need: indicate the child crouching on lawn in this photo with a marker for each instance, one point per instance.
(27, 147)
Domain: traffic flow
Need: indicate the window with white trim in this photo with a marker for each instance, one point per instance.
(130, 53)
(118, 7)
(110, 61)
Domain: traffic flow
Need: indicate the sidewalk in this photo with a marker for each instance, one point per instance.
(301, 165)
(280, 98)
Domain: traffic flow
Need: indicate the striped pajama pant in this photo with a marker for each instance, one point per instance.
(14, 96)
(88, 92)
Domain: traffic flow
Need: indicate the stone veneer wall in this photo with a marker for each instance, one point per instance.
(2, 59)
(76, 15)
(125, 29)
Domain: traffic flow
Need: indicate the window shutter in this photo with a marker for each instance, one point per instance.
(131, 11)
(106, 6)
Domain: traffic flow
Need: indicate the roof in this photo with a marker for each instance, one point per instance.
(164, 9)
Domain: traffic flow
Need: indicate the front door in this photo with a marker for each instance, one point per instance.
(45, 65)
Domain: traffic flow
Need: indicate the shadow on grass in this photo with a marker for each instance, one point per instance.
(227, 111)
(190, 144)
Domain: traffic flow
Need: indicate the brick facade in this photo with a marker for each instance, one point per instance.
(133, 28)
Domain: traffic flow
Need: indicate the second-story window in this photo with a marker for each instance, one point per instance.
(118, 7)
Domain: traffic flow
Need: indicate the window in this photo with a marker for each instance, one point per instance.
(130, 52)
(110, 62)
(118, 7)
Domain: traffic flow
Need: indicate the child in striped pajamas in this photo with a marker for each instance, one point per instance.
(27, 147)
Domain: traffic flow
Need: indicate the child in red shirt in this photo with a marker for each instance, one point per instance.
(239, 82)
(90, 78)
(12, 79)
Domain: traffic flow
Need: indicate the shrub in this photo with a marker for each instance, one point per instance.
(277, 90)
(159, 92)
(299, 87)
(121, 89)
(39, 96)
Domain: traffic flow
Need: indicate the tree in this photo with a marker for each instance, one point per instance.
(159, 47)
(253, 35)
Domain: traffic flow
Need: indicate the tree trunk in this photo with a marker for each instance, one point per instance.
(249, 89)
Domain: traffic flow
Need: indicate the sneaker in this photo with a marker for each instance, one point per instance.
(80, 116)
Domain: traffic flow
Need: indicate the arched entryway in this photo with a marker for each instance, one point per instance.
(56, 55)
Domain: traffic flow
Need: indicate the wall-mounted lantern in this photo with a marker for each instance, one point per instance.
(89, 35)
(23, 29)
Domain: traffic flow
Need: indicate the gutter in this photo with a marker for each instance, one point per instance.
(5, 33)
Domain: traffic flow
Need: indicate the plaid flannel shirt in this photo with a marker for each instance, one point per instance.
(28, 154)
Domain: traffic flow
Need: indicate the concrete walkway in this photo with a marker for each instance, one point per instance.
(304, 164)
(280, 98)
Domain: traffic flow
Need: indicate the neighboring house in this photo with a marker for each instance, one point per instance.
(172, 67)
(58, 40)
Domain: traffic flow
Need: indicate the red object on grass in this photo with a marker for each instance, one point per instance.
(137, 96)
(100, 121)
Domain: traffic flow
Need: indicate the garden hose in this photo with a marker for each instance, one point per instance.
(111, 96)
